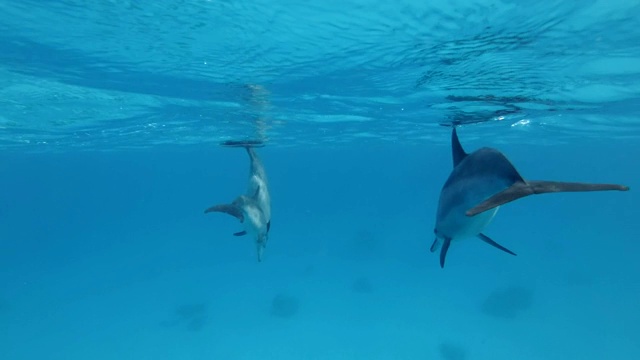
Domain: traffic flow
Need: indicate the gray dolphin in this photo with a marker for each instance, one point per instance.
(479, 183)
(253, 208)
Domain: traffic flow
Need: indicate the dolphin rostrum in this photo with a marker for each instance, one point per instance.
(253, 209)
(479, 183)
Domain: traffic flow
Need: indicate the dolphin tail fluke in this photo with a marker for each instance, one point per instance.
(230, 209)
(243, 143)
(443, 251)
(521, 189)
(488, 240)
(248, 145)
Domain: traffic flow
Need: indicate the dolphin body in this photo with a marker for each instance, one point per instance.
(253, 208)
(479, 183)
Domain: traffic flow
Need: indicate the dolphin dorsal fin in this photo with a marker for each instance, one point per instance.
(456, 148)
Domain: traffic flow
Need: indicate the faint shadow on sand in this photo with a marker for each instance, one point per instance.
(362, 285)
(284, 306)
(449, 351)
(508, 303)
(192, 316)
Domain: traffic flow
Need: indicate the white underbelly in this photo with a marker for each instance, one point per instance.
(459, 226)
(254, 222)
(264, 198)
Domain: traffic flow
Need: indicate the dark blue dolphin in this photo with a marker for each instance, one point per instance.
(479, 183)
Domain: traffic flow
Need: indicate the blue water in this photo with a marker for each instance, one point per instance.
(111, 113)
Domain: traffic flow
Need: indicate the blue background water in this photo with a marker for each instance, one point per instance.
(110, 115)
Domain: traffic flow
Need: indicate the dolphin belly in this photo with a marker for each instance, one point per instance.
(255, 221)
(264, 197)
(457, 225)
(459, 196)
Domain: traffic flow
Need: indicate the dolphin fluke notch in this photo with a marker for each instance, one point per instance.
(230, 209)
(521, 189)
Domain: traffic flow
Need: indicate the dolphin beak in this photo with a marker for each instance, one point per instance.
(260, 251)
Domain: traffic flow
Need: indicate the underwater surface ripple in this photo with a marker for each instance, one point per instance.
(119, 74)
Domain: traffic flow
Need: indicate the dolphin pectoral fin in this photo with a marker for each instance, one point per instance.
(269, 226)
(443, 251)
(488, 240)
(521, 189)
(230, 209)
(436, 245)
(516, 191)
(240, 233)
(541, 187)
